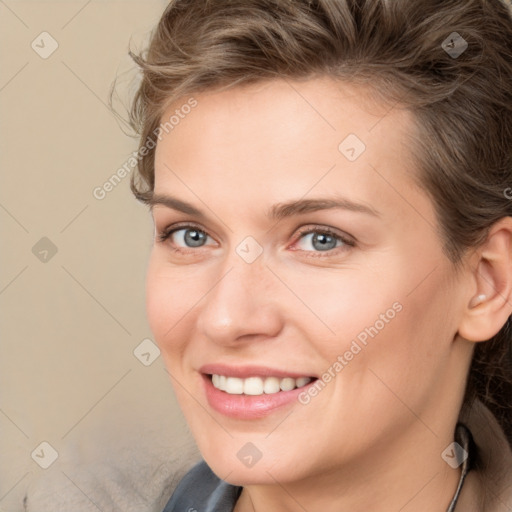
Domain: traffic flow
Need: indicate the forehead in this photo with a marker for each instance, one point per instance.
(320, 109)
(282, 137)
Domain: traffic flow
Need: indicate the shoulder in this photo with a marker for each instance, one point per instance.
(201, 490)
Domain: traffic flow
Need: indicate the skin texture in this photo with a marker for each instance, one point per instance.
(372, 438)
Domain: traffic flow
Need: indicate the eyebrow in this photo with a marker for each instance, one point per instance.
(278, 211)
(283, 210)
(174, 204)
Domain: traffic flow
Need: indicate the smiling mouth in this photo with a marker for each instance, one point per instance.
(256, 386)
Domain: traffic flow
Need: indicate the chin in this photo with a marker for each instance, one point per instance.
(241, 470)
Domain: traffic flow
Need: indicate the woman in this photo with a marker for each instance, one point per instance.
(331, 279)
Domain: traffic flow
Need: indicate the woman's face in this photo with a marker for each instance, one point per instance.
(294, 253)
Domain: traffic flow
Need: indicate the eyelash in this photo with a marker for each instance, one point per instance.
(167, 232)
(346, 241)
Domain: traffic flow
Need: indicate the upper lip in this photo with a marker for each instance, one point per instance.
(245, 371)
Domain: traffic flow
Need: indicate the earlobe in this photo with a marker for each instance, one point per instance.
(488, 309)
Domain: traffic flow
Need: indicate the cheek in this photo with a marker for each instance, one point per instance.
(169, 299)
(391, 320)
(346, 306)
(409, 356)
(158, 301)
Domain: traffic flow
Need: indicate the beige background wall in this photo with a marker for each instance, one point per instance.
(70, 321)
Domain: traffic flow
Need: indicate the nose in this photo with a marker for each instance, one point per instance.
(242, 305)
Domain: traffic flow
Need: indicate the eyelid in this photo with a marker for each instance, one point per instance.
(164, 234)
(347, 240)
(341, 235)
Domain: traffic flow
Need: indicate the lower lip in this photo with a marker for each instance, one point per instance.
(248, 407)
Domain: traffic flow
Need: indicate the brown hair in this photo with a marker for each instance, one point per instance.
(462, 144)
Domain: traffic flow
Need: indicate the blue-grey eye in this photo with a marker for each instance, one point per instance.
(189, 237)
(319, 241)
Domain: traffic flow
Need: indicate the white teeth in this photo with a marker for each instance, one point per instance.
(271, 385)
(234, 386)
(256, 385)
(302, 381)
(253, 386)
(287, 384)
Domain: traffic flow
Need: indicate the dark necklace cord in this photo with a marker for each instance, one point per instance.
(464, 438)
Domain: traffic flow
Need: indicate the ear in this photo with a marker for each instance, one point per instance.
(489, 302)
